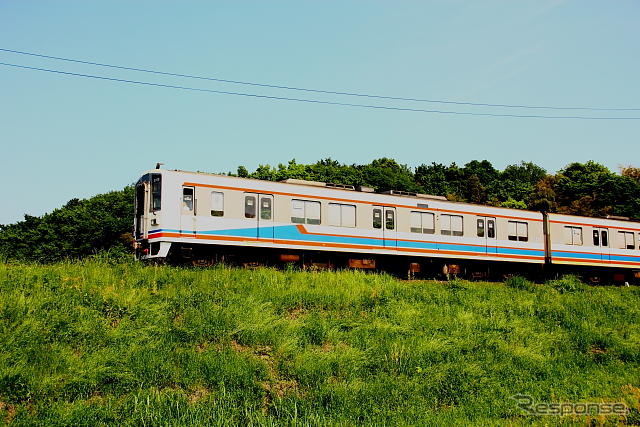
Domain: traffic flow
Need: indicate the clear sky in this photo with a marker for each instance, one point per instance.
(63, 137)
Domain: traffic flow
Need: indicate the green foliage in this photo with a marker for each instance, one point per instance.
(521, 283)
(100, 342)
(79, 228)
(513, 204)
(103, 222)
(568, 283)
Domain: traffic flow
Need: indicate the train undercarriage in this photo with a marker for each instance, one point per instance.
(406, 267)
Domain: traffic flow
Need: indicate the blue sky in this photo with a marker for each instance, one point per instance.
(65, 137)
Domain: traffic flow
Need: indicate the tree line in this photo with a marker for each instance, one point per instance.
(588, 189)
(104, 222)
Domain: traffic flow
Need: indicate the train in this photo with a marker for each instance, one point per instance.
(202, 219)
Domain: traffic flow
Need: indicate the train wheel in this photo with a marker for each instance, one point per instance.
(202, 262)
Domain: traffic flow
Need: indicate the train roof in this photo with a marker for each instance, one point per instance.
(361, 190)
(394, 193)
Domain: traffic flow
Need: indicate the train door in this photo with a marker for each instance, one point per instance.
(188, 210)
(378, 222)
(486, 231)
(601, 242)
(265, 217)
(384, 225)
(141, 208)
(259, 207)
(390, 227)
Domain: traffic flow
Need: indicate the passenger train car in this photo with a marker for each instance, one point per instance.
(204, 218)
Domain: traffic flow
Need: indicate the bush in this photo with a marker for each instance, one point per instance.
(519, 282)
(568, 284)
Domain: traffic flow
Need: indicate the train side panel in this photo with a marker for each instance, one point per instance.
(220, 210)
(595, 242)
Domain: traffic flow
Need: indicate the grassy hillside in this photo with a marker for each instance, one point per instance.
(122, 343)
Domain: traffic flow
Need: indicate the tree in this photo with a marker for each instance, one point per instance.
(476, 192)
(79, 228)
(386, 174)
(433, 179)
(292, 170)
(586, 189)
(543, 196)
(514, 204)
(517, 182)
(630, 172)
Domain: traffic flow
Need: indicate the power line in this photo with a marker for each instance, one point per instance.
(330, 92)
(313, 101)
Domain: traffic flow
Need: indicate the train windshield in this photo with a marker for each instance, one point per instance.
(156, 192)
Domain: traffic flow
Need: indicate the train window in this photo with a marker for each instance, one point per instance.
(491, 228)
(422, 222)
(604, 237)
(265, 207)
(415, 220)
(480, 227)
(377, 218)
(451, 225)
(428, 223)
(249, 206)
(518, 230)
(456, 225)
(626, 240)
(572, 235)
(596, 238)
(187, 199)
(297, 211)
(512, 230)
(445, 225)
(389, 219)
(312, 212)
(156, 191)
(348, 215)
(523, 231)
(304, 211)
(342, 215)
(217, 203)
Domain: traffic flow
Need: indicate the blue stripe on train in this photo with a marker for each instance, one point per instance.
(291, 232)
(595, 257)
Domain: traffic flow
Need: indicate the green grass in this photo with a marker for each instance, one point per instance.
(98, 342)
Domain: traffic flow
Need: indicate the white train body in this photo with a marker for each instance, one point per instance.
(598, 242)
(194, 209)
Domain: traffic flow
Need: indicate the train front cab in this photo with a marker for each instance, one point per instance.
(148, 216)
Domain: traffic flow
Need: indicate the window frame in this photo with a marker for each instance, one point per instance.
(217, 212)
(306, 219)
(269, 199)
(188, 206)
(480, 227)
(625, 235)
(389, 220)
(342, 207)
(377, 224)
(248, 212)
(422, 215)
(573, 229)
(519, 236)
(448, 231)
(491, 228)
(156, 192)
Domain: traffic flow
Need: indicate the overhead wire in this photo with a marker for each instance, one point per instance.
(328, 92)
(314, 101)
